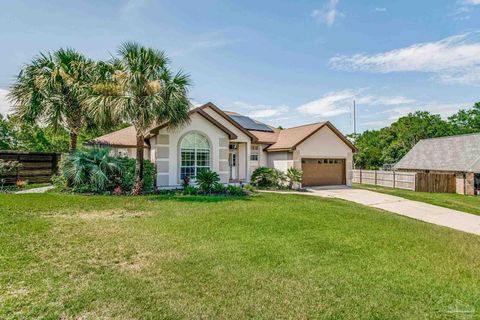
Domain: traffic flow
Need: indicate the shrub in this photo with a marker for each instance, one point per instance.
(294, 176)
(264, 177)
(6, 167)
(218, 188)
(127, 180)
(206, 180)
(250, 188)
(91, 170)
(236, 190)
(279, 178)
(190, 190)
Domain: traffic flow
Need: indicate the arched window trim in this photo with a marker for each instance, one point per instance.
(195, 154)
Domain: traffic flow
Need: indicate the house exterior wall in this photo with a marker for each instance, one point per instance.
(278, 156)
(243, 140)
(325, 144)
(166, 145)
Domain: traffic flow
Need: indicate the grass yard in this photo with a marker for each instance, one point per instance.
(455, 201)
(268, 256)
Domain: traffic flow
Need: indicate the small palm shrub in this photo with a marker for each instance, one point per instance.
(206, 180)
(91, 170)
(279, 178)
(294, 177)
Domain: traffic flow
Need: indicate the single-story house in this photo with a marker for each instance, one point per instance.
(458, 155)
(235, 145)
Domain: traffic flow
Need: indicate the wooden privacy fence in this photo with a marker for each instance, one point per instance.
(416, 181)
(436, 182)
(35, 167)
(391, 179)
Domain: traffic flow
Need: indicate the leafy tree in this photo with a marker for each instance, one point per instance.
(51, 89)
(467, 121)
(8, 134)
(390, 144)
(139, 88)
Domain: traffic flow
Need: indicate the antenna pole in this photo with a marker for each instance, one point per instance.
(354, 119)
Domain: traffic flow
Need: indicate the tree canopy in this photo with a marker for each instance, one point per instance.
(388, 145)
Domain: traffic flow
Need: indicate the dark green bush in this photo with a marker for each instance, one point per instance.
(190, 190)
(264, 177)
(218, 188)
(236, 190)
(127, 180)
(206, 180)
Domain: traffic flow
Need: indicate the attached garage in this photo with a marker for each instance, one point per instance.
(323, 172)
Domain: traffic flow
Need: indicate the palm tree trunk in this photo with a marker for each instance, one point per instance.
(73, 141)
(137, 189)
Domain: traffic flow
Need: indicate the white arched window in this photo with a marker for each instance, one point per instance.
(194, 155)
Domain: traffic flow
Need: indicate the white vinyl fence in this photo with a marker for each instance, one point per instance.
(390, 179)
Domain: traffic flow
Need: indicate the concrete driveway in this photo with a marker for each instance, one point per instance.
(417, 210)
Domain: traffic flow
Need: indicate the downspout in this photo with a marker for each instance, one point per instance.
(464, 184)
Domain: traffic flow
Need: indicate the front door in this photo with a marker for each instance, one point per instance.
(232, 161)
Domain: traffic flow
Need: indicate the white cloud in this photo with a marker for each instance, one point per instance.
(454, 59)
(5, 105)
(470, 2)
(260, 111)
(328, 14)
(340, 102)
(207, 41)
(380, 9)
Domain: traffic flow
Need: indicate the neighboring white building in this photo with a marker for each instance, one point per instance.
(234, 145)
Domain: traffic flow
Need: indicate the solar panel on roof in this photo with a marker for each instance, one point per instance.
(249, 124)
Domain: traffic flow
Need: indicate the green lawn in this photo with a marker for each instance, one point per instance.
(455, 201)
(268, 256)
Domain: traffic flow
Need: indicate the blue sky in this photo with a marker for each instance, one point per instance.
(285, 63)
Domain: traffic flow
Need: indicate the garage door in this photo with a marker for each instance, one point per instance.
(323, 172)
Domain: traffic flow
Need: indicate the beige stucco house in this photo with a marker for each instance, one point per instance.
(234, 145)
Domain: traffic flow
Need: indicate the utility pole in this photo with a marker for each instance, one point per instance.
(354, 119)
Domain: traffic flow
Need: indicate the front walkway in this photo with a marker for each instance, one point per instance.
(417, 210)
(36, 190)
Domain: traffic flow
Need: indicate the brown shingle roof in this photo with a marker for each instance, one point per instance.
(266, 137)
(453, 153)
(289, 138)
(126, 137)
(279, 139)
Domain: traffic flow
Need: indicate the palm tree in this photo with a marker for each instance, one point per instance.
(139, 88)
(51, 90)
